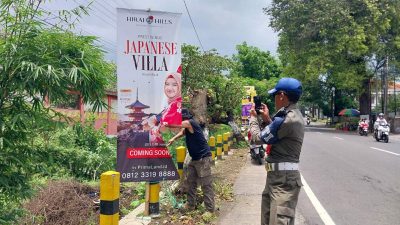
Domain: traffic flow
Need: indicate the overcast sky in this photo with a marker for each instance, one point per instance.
(220, 24)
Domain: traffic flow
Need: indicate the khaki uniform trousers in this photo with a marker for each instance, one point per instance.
(199, 171)
(279, 198)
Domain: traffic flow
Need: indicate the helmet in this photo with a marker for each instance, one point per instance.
(289, 85)
(380, 115)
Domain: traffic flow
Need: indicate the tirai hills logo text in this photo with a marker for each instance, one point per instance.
(148, 20)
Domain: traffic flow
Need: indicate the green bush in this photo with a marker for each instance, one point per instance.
(338, 126)
(172, 148)
(80, 151)
(219, 129)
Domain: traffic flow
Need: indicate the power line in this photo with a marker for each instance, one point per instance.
(107, 15)
(100, 9)
(112, 13)
(101, 40)
(112, 23)
(94, 8)
(128, 4)
(197, 35)
(111, 6)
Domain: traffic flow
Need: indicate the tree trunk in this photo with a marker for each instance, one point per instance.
(199, 106)
(230, 116)
(364, 98)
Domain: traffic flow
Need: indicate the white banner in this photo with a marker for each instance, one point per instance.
(149, 92)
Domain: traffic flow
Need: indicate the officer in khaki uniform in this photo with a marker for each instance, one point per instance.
(285, 131)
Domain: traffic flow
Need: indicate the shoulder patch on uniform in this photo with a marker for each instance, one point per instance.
(266, 134)
(268, 137)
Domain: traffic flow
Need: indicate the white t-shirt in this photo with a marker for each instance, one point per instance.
(380, 122)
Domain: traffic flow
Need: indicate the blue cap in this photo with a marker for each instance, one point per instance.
(288, 85)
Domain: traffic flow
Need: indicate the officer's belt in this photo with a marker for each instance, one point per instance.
(281, 166)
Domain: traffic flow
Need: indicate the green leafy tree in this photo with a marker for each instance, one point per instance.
(38, 61)
(208, 71)
(257, 68)
(316, 93)
(254, 63)
(79, 151)
(225, 99)
(202, 69)
(337, 39)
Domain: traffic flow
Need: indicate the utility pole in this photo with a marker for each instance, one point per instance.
(385, 90)
(382, 91)
(369, 97)
(394, 92)
(376, 90)
(333, 104)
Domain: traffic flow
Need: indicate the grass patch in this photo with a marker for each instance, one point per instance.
(219, 129)
(223, 190)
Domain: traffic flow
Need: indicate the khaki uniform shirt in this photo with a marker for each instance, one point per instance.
(290, 135)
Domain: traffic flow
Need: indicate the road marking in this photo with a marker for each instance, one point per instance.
(317, 205)
(385, 151)
(338, 138)
(319, 132)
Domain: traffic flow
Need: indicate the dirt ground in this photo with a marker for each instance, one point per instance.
(68, 202)
(225, 173)
(71, 202)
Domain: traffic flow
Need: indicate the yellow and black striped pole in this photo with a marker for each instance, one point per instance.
(211, 143)
(229, 141)
(153, 198)
(219, 147)
(109, 198)
(225, 137)
(180, 159)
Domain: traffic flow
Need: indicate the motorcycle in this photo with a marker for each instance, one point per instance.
(363, 129)
(382, 132)
(257, 153)
(308, 121)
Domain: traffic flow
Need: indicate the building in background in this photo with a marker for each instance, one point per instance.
(105, 119)
(393, 93)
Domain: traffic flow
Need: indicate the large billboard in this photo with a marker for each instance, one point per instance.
(149, 92)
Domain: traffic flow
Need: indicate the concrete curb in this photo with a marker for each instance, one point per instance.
(133, 217)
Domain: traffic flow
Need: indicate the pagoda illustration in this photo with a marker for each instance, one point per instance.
(137, 108)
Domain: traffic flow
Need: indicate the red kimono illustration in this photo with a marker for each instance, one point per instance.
(172, 114)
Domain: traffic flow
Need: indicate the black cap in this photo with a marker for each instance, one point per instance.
(186, 114)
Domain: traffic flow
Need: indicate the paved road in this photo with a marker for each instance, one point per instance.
(355, 179)
(352, 180)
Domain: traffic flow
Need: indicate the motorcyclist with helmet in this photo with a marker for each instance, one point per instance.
(361, 125)
(308, 120)
(380, 121)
